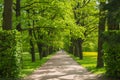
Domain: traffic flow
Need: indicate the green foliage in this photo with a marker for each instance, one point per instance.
(87, 19)
(10, 54)
(1, 9)
(91, 42)
(51, 18)
(25, 41)
(112, 53)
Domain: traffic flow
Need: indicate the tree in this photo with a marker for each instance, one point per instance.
(78, 42)
(49, 20)
(32, 49)
(1, 11)
(102, 20)
(85, 18)
(112, 22)
(113, 14)
(18, 14)
(7, 15)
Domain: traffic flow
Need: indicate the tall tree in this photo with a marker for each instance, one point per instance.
(113, 7)
(18, 11)
(102, 20)
(7, 15)
(32, 49)
(1, 11)
(78, 42)
(84, 15)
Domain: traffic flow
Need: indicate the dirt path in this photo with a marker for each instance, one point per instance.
(61, 67)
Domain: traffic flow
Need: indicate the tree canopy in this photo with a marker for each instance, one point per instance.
(50, 25)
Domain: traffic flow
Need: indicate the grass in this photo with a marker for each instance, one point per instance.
(28, 66)
(89, 62)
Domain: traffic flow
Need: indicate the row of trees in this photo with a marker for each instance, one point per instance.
(52, 25)
(44, 25)
(47, 25)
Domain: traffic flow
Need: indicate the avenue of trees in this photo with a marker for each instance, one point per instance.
(45, 26)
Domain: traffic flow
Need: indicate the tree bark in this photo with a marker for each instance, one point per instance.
(39, 45)
(18, 14)
(113, 7)
(71, 50)
(80, 41)
(32, 49)
(50, 50)
(44, 51)
(112, 23)
(102, 19)
(75, 48)
(7, 15)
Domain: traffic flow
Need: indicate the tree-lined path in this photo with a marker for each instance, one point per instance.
(31, 30)
(61, 67)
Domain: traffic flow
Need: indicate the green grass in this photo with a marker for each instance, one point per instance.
(89, 62)
(28, 66)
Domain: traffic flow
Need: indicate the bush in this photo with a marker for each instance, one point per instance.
(10, 50)
(112, 53)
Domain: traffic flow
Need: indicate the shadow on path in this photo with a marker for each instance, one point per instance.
(62, 67)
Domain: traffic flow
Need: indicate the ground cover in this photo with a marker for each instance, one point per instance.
(28, 66)
(89, 62)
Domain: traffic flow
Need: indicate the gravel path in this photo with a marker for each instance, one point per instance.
(61, 67)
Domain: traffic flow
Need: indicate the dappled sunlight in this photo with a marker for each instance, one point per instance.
(28, 67)
(61, 67)
(89, 61)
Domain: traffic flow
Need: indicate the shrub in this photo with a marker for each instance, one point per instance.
(112, 53)
(10, 50)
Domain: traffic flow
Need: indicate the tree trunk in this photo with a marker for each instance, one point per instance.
(47, 50)
(112, 23)
(39, 45)
(51, 49)
(113, 14)
(80, 41)
(18, 27)
(102, 19)
(44, 53)
(76, 48)
(7, 15)
(32, 49)
(71, 47)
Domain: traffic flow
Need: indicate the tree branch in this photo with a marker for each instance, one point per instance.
(32, 4)
(85, 2)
